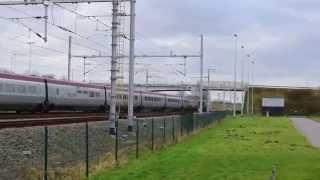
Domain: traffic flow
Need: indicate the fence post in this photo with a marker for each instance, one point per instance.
(137, 138)
(117, 140)
(173, 131)
(87, 149)
(152, 134)
(193, 123)
(45, 173)
(164, 131)
(181, 128)
(274, 173)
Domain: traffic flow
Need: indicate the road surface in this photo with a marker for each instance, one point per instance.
(309, 128)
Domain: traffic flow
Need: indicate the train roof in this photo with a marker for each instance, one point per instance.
(65, 82)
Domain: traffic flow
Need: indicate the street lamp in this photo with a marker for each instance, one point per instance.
(252, 100)
(235, 75)
(248, 95)
(208, 97)
(242, 78)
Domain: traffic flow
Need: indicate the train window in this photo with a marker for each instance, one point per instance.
(136, 97)
(79, 91)
(32, 89)
(125, 97)
(91, 94)
(97, 94)
(1, 87)
(57, 92)
(85, 92)
(21, 89)
(9, 88)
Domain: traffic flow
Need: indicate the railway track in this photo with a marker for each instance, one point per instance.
(59, 119)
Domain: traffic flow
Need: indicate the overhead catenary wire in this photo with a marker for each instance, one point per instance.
(68, 30)
(91, 18)
(19, 18)
(59, 27)
(77, 43)
(77, 34)
(42, 47)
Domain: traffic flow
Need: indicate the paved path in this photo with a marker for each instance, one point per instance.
(309, 128)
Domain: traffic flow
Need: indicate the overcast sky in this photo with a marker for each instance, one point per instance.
(282, 38)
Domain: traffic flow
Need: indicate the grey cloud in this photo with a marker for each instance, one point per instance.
(282, 37)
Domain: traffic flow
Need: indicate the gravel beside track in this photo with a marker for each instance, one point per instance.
(22, 149)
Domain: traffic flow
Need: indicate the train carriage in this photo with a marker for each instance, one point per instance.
(29, 93)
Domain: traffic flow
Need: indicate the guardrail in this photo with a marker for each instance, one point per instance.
(76, 150)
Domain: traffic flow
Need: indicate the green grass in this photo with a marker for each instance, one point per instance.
(246, 148)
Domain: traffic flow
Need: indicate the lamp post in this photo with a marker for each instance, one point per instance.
(242, 78)
(208, 97)
(252, 89)
(248, 95)
(235, 75)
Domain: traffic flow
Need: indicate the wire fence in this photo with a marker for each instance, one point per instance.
(75, 151)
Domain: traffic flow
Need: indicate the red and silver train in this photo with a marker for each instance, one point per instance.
(39, 94)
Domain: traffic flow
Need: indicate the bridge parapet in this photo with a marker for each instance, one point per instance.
(213, 86)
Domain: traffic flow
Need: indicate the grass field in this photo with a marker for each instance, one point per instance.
(244, 148)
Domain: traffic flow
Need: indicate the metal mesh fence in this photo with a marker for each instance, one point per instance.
(21, 153)
(74, 151)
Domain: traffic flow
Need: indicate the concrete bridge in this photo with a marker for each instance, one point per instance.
(213, 86)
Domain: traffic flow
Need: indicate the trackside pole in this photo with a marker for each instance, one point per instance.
(114, 58)
(131, 65)
(87, 149)
(45, 171)
(201, 76)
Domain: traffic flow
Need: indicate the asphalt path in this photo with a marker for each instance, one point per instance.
(309, 128)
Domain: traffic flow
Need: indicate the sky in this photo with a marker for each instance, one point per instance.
(281, 37)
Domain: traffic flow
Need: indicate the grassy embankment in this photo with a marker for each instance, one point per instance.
(246, 148)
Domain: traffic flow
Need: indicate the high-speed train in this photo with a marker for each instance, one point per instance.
(39, 94)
